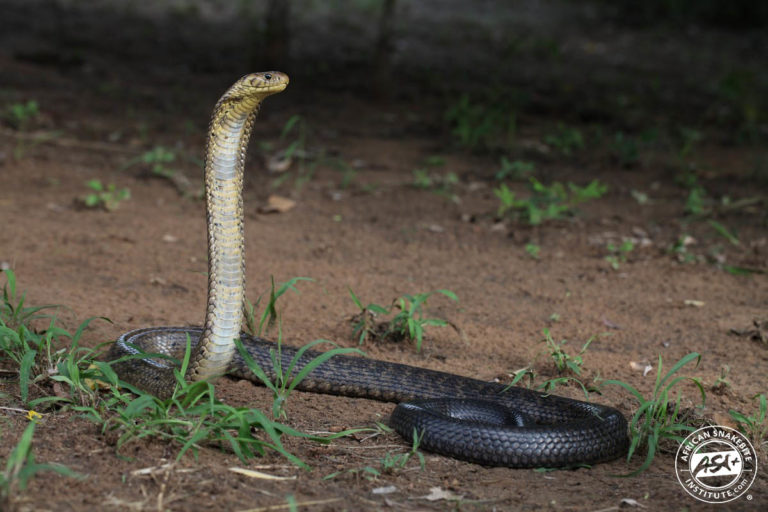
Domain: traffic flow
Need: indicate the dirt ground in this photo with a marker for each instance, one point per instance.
(113, 83)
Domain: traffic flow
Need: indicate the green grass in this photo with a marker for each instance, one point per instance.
(480, 125)
(659, 417)
(408, 321)
(565, 139)
(191, 418)
(546, 202)
(617, 254)
(269, 316)
(104, 196)
(563, 360)
(21, 467)
(755, 426)
(287, 378)
(514, 170)
(441, 184)
(390, 463)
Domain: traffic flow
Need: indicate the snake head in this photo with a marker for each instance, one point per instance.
(258, 85)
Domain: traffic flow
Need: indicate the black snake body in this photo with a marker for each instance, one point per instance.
(453, 415)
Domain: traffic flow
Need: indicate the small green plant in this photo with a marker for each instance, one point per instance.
(192, 416)
(158, 159)
(658, 417)
(533, 250)
(722, 383)
(564, 361)
(546, 202)
(107, 196)
(618, 253)
(408, 323)
(285, 374)
(565, 139)
(514, 170)
(392, 463)
(20, 115)
(20, 468)
(755, 427)
(441, 184)
(724, 232)
(680, 249)
(482, 125)
(697, 201)
(298, 130)
(364, 324)
(38, 357)
(269, 316)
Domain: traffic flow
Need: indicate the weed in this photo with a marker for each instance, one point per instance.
(533, 250)
(565, 139)
(618, 253)
(37, 356)
(546, 202)
(297, 150)
(755, 427)
(658, 418)
(364, 323)
(722, 383)
(680, 249)
(408, 322)
(21, 467)
(723, 231)
(159, 160)
(696, 203)
(269, 316)
(20, 115)
(441, 184)
(625, 149)
(689, 139)
(482, 126)
(564, 361)
(190, 417)
(285, 377)
(514, 170)
(392, 463)
(108, 197)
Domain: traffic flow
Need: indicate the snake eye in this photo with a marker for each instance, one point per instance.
(268, 76)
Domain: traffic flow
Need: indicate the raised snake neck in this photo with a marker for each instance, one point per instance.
(480, 422)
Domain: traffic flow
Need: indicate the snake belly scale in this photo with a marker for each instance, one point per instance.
(457, 416)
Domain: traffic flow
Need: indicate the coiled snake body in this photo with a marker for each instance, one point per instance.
(457, 416)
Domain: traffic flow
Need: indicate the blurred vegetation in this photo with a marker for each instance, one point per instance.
(732, 14)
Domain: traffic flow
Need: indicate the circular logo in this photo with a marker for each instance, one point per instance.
(716, 464)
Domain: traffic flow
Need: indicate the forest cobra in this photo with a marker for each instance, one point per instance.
(457, 416)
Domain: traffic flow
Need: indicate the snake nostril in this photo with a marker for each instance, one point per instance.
(268, 76)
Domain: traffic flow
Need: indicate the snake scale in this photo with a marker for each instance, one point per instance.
(465, 418)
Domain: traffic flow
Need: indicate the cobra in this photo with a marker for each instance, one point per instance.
(465, 418)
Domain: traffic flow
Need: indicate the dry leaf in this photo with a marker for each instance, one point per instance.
(436, 494)
(277, 204)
